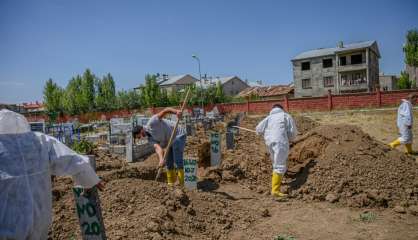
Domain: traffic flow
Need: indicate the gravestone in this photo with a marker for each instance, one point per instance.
(190, 173)
(89, 211)
(230, 140)
(215, 149)
(129, 147)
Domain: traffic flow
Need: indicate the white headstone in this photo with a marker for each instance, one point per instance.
(190, 173)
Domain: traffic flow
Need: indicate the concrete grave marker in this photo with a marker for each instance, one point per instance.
(129, 147)
(215, 149)
(190, 174)
(230, 140)
(89, 211)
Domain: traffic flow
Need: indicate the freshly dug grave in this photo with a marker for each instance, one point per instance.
(340, 163)
(248, 162)
(337, 163)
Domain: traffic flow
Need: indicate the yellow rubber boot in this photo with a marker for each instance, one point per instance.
(408, 148)
(395, 143)
(171, 177)
(276, 181)
(180, 176)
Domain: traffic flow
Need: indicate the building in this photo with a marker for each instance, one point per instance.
(267, 92)
(34, 107)
(171, 83)
(231, 86)
(342, 69)
(175, 83)
(388, 82)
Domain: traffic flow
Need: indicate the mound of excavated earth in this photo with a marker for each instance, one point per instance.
(340, 163)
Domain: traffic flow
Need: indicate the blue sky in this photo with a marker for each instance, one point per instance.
(254, 40)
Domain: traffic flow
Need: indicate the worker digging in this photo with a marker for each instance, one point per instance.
(158, 131)
(405, 121)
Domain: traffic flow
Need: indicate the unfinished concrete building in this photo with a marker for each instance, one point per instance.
(343, 69)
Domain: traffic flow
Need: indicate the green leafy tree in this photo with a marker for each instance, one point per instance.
(174, 98)
(150, 93)
(73, 97)
(404, 82)
(106, 94)
(128, 100)
(411, 51)
(87, 92)
(219, 93)
(53, 96)
(164, 100)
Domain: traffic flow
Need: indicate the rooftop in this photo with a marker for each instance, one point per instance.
(266, 91)
(331, 51)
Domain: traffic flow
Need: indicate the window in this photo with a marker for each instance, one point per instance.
(306, 83)
(306, 66)
(356, 59)
(343, 61)
(327, 63)
(329, 81)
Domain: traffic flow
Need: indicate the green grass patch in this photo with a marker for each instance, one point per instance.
(367, 217)
(284, 237)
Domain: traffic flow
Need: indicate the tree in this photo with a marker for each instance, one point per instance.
(106, 94)
(87, 92)
(53, 96)
(219, 94)
(151, 93)
(411, 52)
(404, 82)
(73, 98)
(128, 99)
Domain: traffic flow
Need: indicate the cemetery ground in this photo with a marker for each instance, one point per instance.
(343, 183)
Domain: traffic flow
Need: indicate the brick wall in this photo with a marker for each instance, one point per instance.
(326, 103)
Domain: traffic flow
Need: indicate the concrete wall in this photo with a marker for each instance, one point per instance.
(316, 74)
(388, 82)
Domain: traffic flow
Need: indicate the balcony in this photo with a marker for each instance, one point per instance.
(352, 67)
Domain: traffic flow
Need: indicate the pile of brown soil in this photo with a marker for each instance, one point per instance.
(340, 163)
(134, 206)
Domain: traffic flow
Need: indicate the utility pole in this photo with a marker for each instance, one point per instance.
(200, 79)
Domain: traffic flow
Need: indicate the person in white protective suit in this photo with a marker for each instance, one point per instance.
(404, 123)
(27, 161)
(278, 128)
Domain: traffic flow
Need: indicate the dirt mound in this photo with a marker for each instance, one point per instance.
(340, 163)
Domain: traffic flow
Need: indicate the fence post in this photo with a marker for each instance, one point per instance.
(248, 105)
(378, 96)
(286, 103)
(329, 100)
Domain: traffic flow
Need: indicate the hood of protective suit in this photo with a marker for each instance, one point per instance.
(276, 110)
(13, 123)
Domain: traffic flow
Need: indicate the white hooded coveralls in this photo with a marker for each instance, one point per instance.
(405, 119)
(278, 128)
(27, 161)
